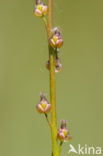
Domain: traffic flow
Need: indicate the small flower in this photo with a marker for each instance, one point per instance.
(56, 40)
(43, 106)
(58, 65)
(54, 30)
(63, 133)
(40, 9)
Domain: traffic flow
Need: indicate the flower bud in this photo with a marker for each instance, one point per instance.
(55, 30)
(40, 9)
(58, 65)
(63, 133)
(56, 40)
(43, 106)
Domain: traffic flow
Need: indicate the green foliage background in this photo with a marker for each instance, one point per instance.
(23, 53)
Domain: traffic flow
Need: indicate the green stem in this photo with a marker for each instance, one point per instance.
(60, 146)
(46, 24)
(52, 58)
(49, 123)
(53, 101)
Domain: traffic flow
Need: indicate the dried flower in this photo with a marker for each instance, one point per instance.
(43, 106)
(63, 133)
(40, 9)
(56, 40)
(58, 65)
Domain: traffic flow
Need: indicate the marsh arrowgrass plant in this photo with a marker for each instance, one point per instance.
(55, 41)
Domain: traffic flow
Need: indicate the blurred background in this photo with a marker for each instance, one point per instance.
(23, 54)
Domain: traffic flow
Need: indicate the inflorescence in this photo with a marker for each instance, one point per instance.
(55, 41)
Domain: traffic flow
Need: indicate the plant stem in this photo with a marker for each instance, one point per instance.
(60, 146)
(50, 18)
(53, 102)
(49, 123)
(52, 58)
(46, 25)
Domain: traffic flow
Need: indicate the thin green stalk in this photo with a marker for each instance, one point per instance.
(49, 123)
(52, 58)
(46, 25)
(60, 146)
(53, 102)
